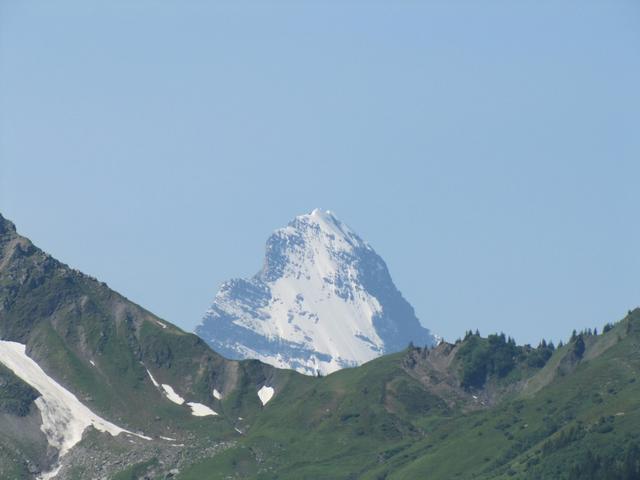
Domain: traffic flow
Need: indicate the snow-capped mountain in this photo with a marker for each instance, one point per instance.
(324, 300)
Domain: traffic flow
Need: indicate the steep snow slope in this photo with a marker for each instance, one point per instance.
(64, 417)
(324, 300)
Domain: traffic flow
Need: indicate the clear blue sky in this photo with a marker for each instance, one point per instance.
(488, 150)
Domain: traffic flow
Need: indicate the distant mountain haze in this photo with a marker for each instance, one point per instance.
(324, 300)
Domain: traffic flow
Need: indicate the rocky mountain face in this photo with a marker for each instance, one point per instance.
(324, 300)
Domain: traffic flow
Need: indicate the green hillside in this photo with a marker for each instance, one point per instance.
(574, 416)
(99, 345)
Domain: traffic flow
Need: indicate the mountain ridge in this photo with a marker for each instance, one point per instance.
(118, 360)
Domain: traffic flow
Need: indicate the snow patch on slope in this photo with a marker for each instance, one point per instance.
(153, 380)
(200, 410)
(217, 395)
(172, 395)
(265, 394)
(160, 324)
(64, 417)
(197, 409)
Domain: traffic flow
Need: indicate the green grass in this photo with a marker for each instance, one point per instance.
(16, 397)
(375, 422)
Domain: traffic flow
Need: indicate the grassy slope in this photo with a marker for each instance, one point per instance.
(70, 322)
(98, 344)
(375, 422)
(20, 437)
(16, 397)
(598, 400)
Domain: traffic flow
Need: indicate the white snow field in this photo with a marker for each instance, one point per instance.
(64, 417)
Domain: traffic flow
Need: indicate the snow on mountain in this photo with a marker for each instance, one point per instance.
(171, 394)
(200, 410)
(64, 417)
(324, 300)
(265, 394)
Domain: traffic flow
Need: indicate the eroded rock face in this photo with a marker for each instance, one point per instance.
(324, 300)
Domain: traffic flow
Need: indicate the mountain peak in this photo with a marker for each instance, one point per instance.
(6, 226)
(319, 213)
(323, 300)
(323, 219)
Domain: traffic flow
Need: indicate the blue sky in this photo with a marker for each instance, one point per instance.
(488, 150)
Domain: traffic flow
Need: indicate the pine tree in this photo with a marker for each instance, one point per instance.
(578, 346)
